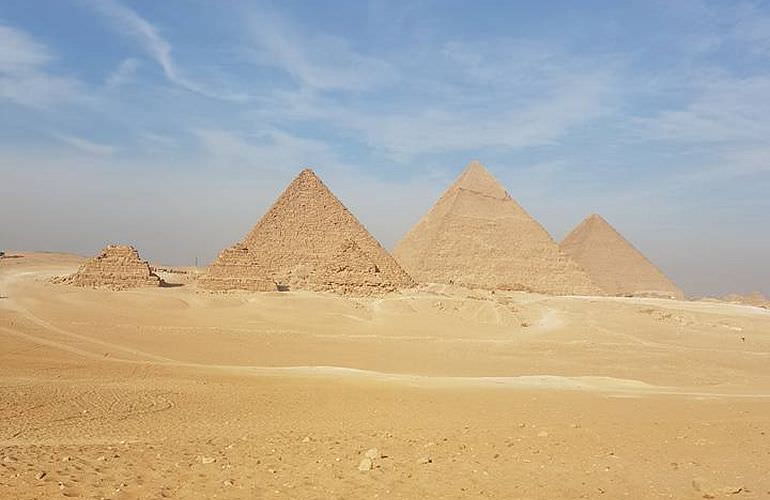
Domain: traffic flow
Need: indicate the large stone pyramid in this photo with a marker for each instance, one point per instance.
(476, 235)
(613, 263)
(116, 267)
(307, 240)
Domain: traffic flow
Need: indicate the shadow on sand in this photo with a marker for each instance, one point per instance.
(164, 284)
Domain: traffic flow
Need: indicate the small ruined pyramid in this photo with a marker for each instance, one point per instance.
(117, 267)
(613, 263)
(307, 240)
(476, 235)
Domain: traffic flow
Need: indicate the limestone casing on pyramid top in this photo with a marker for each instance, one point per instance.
(477, 178)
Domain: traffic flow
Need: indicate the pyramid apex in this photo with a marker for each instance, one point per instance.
(594, 217)
(306, 179)
(591, 224)
(307, 172)
(474, 164)
(477, 178)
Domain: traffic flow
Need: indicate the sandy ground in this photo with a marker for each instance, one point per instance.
(177, 393)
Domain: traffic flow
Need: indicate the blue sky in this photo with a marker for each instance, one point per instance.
(173, 125)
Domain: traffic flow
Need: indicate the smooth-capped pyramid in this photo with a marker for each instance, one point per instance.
(613, 263)
(307, 240)
(476, 235)
(117, 267)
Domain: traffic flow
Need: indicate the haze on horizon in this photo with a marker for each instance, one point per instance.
(174, 125)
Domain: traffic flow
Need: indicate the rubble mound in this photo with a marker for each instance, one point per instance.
(615, 264)
(307, 240)
(756, 299)
(117, 267)
(477, 236)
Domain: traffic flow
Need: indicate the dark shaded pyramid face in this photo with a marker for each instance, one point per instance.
(298, 243)
(613, 263)
(476, 235)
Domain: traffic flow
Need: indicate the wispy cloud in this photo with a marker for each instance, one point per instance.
(123, 74)
(272, 149)
(24, 77)
(513, 94)
(320, 62)
(721, 108)
(157, 140)
(134, 26)
(753, 27)
(443, 129)
(85, 146)
(508, 95)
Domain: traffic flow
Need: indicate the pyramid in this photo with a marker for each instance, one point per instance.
(117, 267)
(236, 269)
(613, 263)
(476, 235)
(307, 240)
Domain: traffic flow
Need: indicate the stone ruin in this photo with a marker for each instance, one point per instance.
(614, 264)
(117, 267)
(477, 236)
(308, 240)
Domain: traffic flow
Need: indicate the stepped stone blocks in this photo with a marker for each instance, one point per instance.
(615, 264)
(118, 267)
(352, 271)
(234, 269)
(477, 236)
(308, 240)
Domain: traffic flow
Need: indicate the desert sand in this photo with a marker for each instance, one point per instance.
(434, 391)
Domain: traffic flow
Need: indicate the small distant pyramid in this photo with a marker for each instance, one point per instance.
(117, 267)
(307, 240)
(613, 263)
(476, 235)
